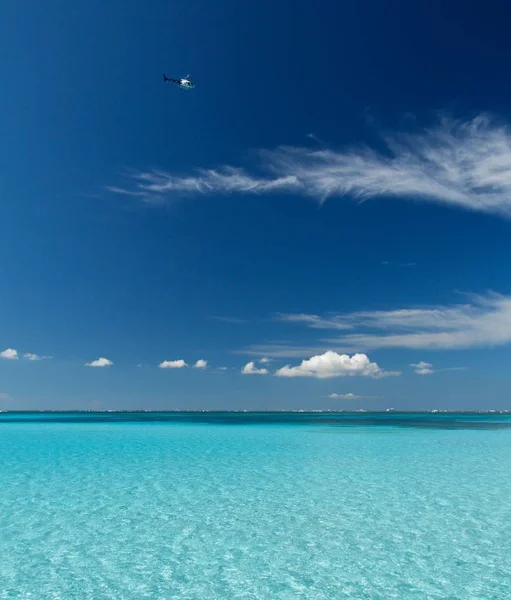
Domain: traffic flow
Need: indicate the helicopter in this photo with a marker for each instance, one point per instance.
(184, 83)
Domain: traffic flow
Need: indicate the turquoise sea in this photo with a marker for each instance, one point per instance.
(280, 506)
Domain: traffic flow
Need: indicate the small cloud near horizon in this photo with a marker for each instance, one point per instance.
(100, 362)
(422, 368)
(251, 369)
(11, 354)
(330, 364)
(173, 364)
(30, 356)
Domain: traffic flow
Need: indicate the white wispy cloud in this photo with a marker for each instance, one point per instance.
(100, 362)
(316, 322)
(173, 364)
(459, 163)
(350, 396)
(251, 369)
(200, 364)
(30, 356)
(330, 364)
(265, 360)
(484, 321)
(283, 349)
(425, 368)
(156, 184)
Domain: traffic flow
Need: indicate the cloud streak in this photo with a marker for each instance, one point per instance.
(459, 163)
(483, 322)
(425, 368)
(317, 322)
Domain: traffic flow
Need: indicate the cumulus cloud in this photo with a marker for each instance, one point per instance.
(100, 362)
(251, 369)
(350, 396)
(484, 321)
(9, 354)
(330, 364)
(459, 163)
(173, 364)
(200, 364)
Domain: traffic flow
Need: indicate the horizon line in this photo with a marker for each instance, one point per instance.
(325, 410)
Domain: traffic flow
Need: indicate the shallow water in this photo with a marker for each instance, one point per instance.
(140, 506)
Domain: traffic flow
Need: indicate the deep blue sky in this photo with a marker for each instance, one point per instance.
(87, 273)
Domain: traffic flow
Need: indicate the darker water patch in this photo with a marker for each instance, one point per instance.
(416, 420)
